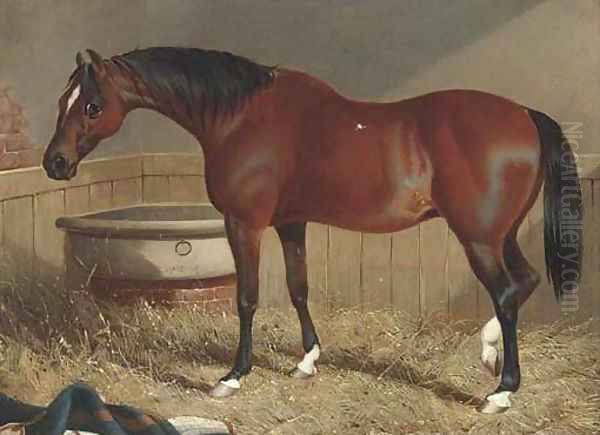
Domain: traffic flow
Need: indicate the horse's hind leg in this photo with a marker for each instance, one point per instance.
(506, 290)
(528, 279)
(293, 240)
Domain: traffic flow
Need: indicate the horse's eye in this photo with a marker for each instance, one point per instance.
(92, 110)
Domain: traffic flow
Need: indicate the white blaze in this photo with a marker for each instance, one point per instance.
(73, 97)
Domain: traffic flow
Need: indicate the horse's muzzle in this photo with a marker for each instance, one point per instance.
(59, 168)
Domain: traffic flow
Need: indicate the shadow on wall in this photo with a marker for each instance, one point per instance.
(363, 48)
(377, 49)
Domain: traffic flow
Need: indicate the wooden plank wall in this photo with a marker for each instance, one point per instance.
(173, 178)
(422, 270)
(34, 251)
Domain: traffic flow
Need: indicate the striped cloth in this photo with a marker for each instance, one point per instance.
(79, 408)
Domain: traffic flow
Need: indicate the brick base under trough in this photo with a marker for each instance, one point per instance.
(214, 295)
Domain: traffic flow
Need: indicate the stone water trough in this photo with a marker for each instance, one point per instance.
(163, 250)
(168, 252)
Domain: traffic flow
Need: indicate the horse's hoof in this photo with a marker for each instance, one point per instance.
(225, 389)
(494, 365)
(300, 374)
(488, 407)
(496, 403)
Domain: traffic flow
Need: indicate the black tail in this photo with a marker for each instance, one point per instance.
(563, 208)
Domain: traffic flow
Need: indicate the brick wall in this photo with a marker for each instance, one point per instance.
(16, 148)
(215, 295)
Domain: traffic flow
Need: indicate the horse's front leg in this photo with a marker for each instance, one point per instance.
(245, 246)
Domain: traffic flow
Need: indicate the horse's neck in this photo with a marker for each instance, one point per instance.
(207, 126)
(137, 97)
(135, 100)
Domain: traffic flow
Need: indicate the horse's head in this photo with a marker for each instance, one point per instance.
(90, 109)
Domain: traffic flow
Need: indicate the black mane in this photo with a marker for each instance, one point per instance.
(195, 79)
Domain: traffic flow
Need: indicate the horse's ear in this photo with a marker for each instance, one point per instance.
(97, 62)
(79, 59)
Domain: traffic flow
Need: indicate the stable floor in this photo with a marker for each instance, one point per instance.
(380, 372)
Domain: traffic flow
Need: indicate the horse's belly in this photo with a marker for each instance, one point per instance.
(385, 198)
(393, 192)
(377, 216)
(401, 214)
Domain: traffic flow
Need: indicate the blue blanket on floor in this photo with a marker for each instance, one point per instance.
(79, 407)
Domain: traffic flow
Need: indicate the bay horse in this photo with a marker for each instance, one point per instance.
(282, 148)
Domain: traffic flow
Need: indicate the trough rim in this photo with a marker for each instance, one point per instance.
(85, 224)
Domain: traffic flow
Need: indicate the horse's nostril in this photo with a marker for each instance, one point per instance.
(60, 164)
